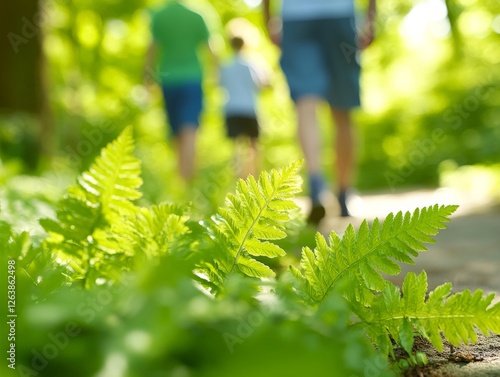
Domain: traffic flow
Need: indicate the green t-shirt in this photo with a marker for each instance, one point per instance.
(178, 33)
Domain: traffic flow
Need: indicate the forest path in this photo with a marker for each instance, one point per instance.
(466, 253)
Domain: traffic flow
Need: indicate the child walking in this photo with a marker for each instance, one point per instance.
(242, 82)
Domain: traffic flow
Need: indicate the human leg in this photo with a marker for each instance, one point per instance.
(186, 151)
(253, 156)
(240, 158)
(244, 130)
(308, 82)
(343, 95)
(309, 137)
(344, 150)
(344, 147)
(245, 156)
(184, 105)
(308, 132)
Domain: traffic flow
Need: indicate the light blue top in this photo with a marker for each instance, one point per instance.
(314, 9)
(241, 81)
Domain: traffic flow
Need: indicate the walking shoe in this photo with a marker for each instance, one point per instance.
(342, 198)
(317, 213)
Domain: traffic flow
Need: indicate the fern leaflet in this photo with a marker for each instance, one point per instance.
(252, 217)
(151, 232)
(354, 264)
(113, 179)
(102, 196)
(402, 314)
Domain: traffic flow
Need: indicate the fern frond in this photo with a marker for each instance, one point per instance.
(401, 315)
(102, 197)
(103, 193)
(76, 220)
(113, 178)
(5, 233)
(14, 245)
(151, 232)
(252, 217)
(355, 263)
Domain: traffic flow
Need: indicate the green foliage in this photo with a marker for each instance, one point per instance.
(412, 123)
(399, 315)
(152, 231)
(134, 281)
(252, 217)
(353, 265)
(101, 198)
(113, 179)
(356, 262)
(157, 323)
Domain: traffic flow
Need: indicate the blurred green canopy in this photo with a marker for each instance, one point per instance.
(72, 80)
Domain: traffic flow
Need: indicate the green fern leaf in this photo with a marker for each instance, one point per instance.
(253, 268)
(252, 217)
(114, 177)
(5, 233)
(151, 232)
(402, 315)
(102, 197)
(355, 263)
(77, 219)
(102, 194)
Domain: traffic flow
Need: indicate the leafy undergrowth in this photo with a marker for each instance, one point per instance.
(115, 289)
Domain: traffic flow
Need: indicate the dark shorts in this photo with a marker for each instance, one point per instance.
(319, 58)
(242, 126)
(183, 103)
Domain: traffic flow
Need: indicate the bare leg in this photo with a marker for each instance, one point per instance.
(186, 149)
(253, 155)
(239, 157)
(344, 147)
(309, 136)
(245, 156)
(309, 132)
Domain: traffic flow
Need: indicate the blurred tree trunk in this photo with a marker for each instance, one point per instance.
(22, 78)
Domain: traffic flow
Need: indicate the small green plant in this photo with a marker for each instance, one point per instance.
(168, 295)
(399, 315)
(355, 262)
(245, 228)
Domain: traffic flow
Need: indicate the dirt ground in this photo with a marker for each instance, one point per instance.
(481, 359)
(466, 254)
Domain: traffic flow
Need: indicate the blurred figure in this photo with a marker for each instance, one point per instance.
(178, 33)
(319, 44)
(242, 80)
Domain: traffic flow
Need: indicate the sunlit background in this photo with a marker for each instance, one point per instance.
(429, 91)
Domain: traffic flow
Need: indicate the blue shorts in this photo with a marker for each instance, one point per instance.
(183, 103)
(319, 57)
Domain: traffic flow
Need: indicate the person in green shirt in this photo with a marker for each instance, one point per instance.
(178, 33)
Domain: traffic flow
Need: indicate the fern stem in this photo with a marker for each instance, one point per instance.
(89, 249)
(445, 316)
(249, 231)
